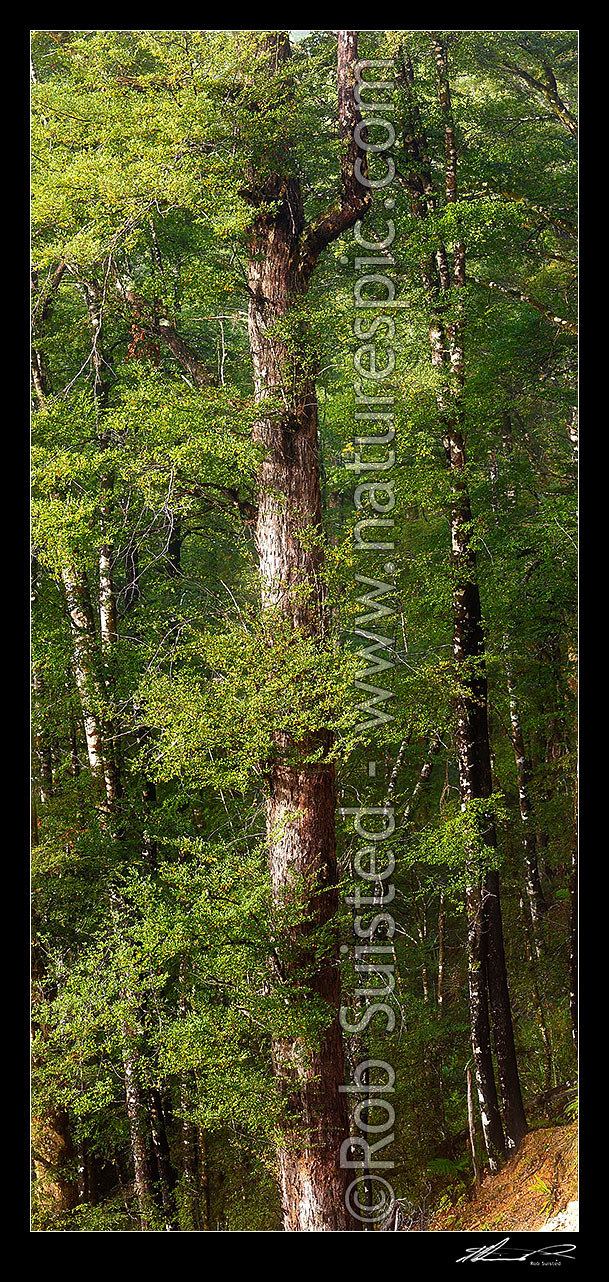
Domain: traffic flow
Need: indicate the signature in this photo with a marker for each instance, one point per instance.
(501, 1251)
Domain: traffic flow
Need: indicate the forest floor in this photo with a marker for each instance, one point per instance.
(534, 1186)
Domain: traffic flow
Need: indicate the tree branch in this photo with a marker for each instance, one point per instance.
(522, 296)
(355, 198)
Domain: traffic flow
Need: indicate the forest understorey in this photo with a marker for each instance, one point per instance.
(532, 1192)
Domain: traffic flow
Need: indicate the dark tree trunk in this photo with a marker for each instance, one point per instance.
(165, 1174)
(194, 1216)
(503, 1032)
(484, 1074)
(443, 282)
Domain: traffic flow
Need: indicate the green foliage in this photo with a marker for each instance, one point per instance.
(155, 931)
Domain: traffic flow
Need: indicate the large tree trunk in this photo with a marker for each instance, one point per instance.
(301, 801)
(54, 1162)
(52, 1144)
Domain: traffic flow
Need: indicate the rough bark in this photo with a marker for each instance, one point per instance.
(153, 324)
(138, 1132)
(54, 1161)
(537, 999)
(86, 673)
(301, 803)
(515, 1124)
(52, 1144)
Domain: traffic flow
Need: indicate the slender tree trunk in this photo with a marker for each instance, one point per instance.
(441, 946)
(538, 1001)
(138, 1132)
(43, 752)
(503, 1032)
(195, 1220)
(91, 660)
(484, 1074)
(471, 1122)
(166, 1178)
(204, 1177)
(573, 950)
(85, 658)
(472, 734)
(537, 903)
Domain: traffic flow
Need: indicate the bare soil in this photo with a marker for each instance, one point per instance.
(531, 1188)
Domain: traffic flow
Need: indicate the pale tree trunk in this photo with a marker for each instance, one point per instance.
(85, 662)
(104, 771)
(89, 660)
(574, 932)
(537, 999)
(441, 946)
(52, 1145)
(471, 1123)
(138, 1132)
(43, 751)
(203, 1177)
(535, 896)
(94, 296)
(194, 1217)
(143, 1110)
(194, 1191)
(492, 1127)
